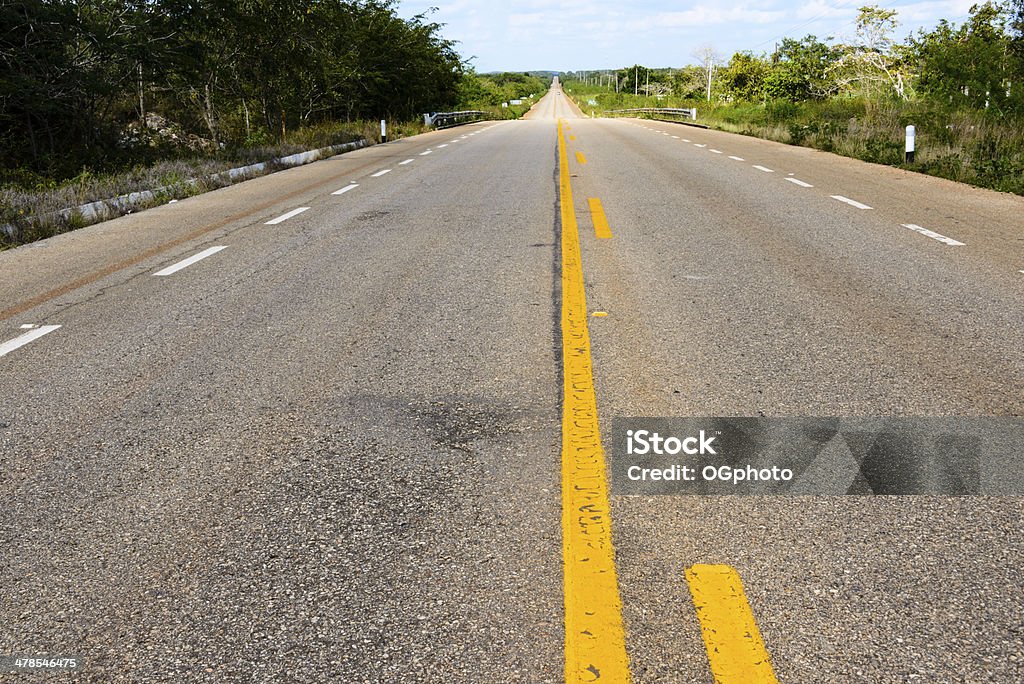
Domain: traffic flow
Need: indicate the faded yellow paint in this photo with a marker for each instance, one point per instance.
(736, 652)
(600, 314)
(597, 215)
(580, 158)
(595, 642)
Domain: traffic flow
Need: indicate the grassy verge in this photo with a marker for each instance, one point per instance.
(975, 147)
(31, 202)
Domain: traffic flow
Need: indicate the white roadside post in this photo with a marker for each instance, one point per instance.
(911, 135)
(383, 131)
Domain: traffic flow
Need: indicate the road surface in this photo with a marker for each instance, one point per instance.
(309, 428)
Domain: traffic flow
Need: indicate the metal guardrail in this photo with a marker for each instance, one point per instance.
(449, 119)
(659, 111)
(670, 114)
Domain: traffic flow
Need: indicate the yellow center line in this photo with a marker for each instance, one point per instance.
(595, 642)
(736, 652)
(580, 158)
(601, 227)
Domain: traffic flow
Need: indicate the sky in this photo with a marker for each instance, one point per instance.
(570, 35)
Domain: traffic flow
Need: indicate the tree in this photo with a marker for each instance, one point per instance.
(67, 68)
(1016, 29)
(801, 70)
(73, 73)
(490, 90)
(743, 78)
(968, 65)
(709, 61)
(688, 82)
(874, 63)
(630, 78)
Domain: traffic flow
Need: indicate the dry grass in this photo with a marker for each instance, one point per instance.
(982, 148)
(978, 148)
(31, 204)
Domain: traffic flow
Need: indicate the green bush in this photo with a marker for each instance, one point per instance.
(782, 111)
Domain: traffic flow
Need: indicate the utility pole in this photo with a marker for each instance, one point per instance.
(636, 80)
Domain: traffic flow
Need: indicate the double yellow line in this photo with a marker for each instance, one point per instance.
(595, 643)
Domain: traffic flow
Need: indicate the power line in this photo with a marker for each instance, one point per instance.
(810, 21)
(842, 4)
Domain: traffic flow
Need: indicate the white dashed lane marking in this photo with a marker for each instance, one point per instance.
(185, 263)
(20, 341)
(852, 203)
(284, 217)
(933, 235)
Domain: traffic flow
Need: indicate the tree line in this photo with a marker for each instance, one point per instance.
(73, 73)
(491, 90)
(978, 64)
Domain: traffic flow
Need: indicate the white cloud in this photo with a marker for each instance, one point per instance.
(566, 34)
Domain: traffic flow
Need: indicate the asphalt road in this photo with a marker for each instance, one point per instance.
(330, 451)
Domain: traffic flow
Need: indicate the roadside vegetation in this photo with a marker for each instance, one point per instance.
(497, 93)
(101, 98)
(960, 85)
